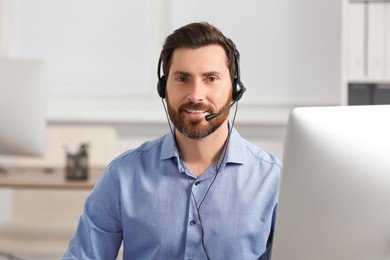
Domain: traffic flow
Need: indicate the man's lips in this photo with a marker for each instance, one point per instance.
(193, 111)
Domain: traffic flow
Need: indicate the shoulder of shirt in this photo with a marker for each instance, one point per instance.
(263, 156)
(140, 150)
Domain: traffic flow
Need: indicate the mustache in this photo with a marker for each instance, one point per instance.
(194, 106)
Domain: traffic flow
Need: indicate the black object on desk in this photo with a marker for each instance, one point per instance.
(77, 164)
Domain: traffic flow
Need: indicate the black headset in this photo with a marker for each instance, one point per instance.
(237, 85)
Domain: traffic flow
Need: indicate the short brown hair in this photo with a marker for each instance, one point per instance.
(196, 35)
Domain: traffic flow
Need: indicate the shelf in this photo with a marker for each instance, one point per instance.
(369, 81)
(369, 1)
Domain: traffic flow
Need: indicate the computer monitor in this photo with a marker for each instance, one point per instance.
(23, 88)
(335, 191)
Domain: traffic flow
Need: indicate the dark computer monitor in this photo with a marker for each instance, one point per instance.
(335, 190)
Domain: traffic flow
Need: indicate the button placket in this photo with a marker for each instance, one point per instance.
(194, 232)
(194, 196)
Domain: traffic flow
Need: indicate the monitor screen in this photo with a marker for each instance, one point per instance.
(22, 106)
(335, 190)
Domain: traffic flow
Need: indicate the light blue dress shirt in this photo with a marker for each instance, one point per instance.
(148, 199)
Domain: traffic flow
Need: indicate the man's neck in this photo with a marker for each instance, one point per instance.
(200, 154)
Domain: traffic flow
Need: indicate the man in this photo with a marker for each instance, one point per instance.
(199, 192)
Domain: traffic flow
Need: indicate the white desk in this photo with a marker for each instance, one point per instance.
(50, 178)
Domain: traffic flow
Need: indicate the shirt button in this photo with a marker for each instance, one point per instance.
(197, 183)
(192, 222)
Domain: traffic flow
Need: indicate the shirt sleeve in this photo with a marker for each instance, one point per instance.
(268, 252)
(99, 232)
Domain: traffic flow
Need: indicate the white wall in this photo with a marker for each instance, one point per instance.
(89, 45)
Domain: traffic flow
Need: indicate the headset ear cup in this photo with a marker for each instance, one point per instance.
(161, 85)
(238, 90)
(234, 89)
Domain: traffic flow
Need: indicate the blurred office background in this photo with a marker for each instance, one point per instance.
(101, 59)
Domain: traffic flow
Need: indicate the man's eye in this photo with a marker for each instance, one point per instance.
(212, 78)
(181, 79)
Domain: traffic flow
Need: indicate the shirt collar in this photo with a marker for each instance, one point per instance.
(169, 149)
(234, 153)
(236, 149)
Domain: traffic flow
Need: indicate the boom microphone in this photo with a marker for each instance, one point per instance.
(211, 116)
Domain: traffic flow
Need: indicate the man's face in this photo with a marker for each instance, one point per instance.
(198, 84)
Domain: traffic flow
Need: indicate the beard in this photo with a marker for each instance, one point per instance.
(197, 128)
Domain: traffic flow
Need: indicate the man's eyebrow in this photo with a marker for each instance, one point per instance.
(212, 73)
(208, 73)
(181, 73)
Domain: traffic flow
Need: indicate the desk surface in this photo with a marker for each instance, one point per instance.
(41, 178)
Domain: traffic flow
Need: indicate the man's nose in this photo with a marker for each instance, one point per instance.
(197, 91)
